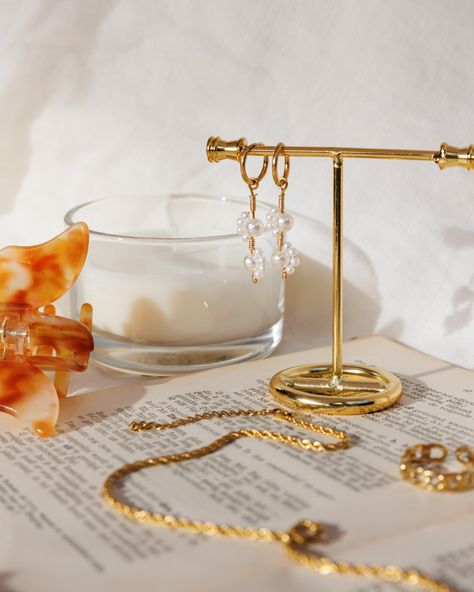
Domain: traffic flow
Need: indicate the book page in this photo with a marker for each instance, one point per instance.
(58, 534)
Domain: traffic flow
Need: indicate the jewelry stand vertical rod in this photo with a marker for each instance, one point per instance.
(337, 388)
(337, 242)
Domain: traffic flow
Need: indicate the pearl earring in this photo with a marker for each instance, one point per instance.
(248, 225)
(279, 222)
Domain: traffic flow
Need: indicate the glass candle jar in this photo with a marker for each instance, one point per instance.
(166, 280)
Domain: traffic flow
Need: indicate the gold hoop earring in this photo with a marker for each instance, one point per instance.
(248, 225)
(413, 471)
(285, 257)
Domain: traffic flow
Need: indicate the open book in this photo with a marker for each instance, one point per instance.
(57, 534)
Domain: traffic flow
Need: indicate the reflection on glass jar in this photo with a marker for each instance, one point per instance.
(165, 276)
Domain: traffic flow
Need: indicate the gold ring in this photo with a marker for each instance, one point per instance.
(282, 181)
(252, 181)
(415, 457)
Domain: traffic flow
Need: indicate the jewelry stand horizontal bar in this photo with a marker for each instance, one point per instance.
(218, 149)
(337, 388)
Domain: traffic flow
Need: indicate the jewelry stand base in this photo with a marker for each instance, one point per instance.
(359, 389)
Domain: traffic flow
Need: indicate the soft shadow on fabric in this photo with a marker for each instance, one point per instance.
(309, 307)
(462, 300)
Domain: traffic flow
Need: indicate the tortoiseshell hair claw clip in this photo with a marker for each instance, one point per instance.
(32, 340)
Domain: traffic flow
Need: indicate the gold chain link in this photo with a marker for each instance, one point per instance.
(297, 539)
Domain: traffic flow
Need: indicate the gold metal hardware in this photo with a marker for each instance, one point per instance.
(338, 388)
(252, 182)
(283, 180)
(353, 391)
(217, 149)
(450, 156)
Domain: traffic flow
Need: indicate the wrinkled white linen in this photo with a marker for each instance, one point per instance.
(119, 97)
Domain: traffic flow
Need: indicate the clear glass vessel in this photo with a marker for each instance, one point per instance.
(166, 280)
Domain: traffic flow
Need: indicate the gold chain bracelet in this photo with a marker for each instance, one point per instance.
(297, 539)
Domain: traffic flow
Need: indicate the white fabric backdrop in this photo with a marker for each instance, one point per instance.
(110, 97)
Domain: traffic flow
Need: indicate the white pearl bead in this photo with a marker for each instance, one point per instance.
(255, 227)
(289, 269)
(245, 237)
(245, 215)
(290, 250)
(278, 259)
(250, 263)
(258, 274)
(285, 222)
(294, 261)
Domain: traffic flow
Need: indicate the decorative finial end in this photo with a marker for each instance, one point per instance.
(450, 156)
(218, 149)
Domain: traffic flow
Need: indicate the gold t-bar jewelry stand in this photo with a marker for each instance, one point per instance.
(337, 388)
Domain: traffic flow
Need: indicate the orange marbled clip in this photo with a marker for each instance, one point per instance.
(30, 278)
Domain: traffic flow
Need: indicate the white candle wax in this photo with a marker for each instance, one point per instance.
(178, 293)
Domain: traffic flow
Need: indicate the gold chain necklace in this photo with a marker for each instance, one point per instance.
(295, 540)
